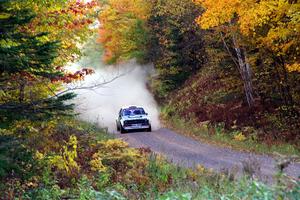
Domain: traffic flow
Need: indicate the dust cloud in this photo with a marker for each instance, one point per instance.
(101, 104)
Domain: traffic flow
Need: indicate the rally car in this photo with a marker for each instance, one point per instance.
(133, 118)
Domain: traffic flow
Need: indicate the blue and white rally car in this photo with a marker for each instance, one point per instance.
(133, 118)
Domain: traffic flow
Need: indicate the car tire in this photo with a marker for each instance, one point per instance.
(122, 130)
(149, 129)
(118, 126)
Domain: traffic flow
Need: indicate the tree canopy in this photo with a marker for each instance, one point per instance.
(271, 24)
(33, 49)
(122, 29)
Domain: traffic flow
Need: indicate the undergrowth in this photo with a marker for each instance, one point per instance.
(69, 159)
(245, 139)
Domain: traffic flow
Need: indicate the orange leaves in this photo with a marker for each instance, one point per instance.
(66, 21)
(139, 8)
(122, 28)
(79, 24)
(80, 11)
(71, 77)
(74, 13)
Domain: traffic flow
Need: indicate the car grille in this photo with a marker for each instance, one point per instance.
(136, 121)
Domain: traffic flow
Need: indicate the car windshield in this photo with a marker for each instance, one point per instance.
(136, 111)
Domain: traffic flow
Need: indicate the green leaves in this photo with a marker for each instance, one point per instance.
(176, 196)
(175, 43)
(29, 57)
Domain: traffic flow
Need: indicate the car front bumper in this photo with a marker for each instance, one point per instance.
(135, 127)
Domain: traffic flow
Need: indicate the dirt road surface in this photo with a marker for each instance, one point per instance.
(188, 153)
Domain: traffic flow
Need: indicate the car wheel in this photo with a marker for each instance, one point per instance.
(149, 129)
(118, 126)
(122, 130)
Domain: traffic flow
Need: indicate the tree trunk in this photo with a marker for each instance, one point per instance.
(245, 72)
(240, 60)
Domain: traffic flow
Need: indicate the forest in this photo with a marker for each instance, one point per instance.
(235, 62)
(226, 72)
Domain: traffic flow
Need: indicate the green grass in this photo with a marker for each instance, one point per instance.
(220, 138)
(93, 129)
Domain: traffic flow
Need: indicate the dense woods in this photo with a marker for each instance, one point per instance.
(232, 62)
(37, 40)
(229, 67)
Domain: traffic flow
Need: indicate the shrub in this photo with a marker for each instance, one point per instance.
(239, 136)
(66, 160)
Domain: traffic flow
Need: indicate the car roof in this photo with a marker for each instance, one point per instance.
(132, 107)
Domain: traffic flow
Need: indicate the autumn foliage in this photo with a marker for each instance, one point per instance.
(122, 29)
(37, 40)
(67, 21)
(231, 61)
(229, 67)
(267, 31)
(270, 24)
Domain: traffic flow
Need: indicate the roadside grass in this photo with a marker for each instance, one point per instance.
(95, 166)
(201, 183)
(170, 182)
(218, 136)
(93, 129)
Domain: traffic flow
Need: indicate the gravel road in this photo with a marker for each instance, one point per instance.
(189, 153)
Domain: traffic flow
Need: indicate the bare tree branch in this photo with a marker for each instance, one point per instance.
(93, 87)
(229, 52)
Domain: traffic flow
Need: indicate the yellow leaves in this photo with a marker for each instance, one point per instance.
(73, 143)
(160, 159)
(263, 13)
(293, 67)
(200, 169)
(239, 137)
(139, 8)
(4, 15)
(250, 13)
(114, 144)
(66, 160)
(39, 155)
(271, 24)
(253, 16)
(217, 12)
(96, 163)
(115, 151)
(121, 153)
(31, 184)
(59, 162)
